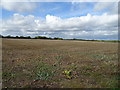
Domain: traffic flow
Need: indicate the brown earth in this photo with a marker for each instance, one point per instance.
(33, 63)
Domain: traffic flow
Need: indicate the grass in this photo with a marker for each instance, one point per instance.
(44, 71)
(103, 56)
(41, 63)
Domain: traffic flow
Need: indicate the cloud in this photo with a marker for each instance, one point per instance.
(18, 6)
(111, 7)
(96, 7)
(91, 26)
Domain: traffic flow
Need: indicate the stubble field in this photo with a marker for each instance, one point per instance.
(35, 63)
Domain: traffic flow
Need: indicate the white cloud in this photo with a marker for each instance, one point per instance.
(18, 6)
(83, 26)
(111, 6)
(98, 7)
(102, 5)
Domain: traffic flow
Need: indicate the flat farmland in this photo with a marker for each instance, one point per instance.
(36, 63)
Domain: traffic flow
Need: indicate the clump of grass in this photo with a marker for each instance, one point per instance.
(58, 58)
(44, 71)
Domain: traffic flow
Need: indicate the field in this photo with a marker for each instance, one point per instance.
(35, 63)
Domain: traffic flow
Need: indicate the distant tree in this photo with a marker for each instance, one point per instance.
(57, 38)
(74, 38)
(60, 38)
(17, 37)
(41, 37)
(36, 37)
(8, 36)
(22, 37)
(28, 37)
(49, 38)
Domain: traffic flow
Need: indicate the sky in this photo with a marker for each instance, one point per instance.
(82, 20)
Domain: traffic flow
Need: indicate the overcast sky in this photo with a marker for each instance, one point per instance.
(85, 20)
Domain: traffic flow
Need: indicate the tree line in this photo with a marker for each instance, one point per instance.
(28, 37)
(55, 38)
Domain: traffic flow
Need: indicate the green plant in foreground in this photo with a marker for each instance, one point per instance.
(44, 72)
(67, 74)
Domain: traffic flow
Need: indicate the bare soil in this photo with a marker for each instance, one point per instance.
(35, 63)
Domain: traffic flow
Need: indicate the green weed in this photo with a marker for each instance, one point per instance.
(67, 74)
(44, 72)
